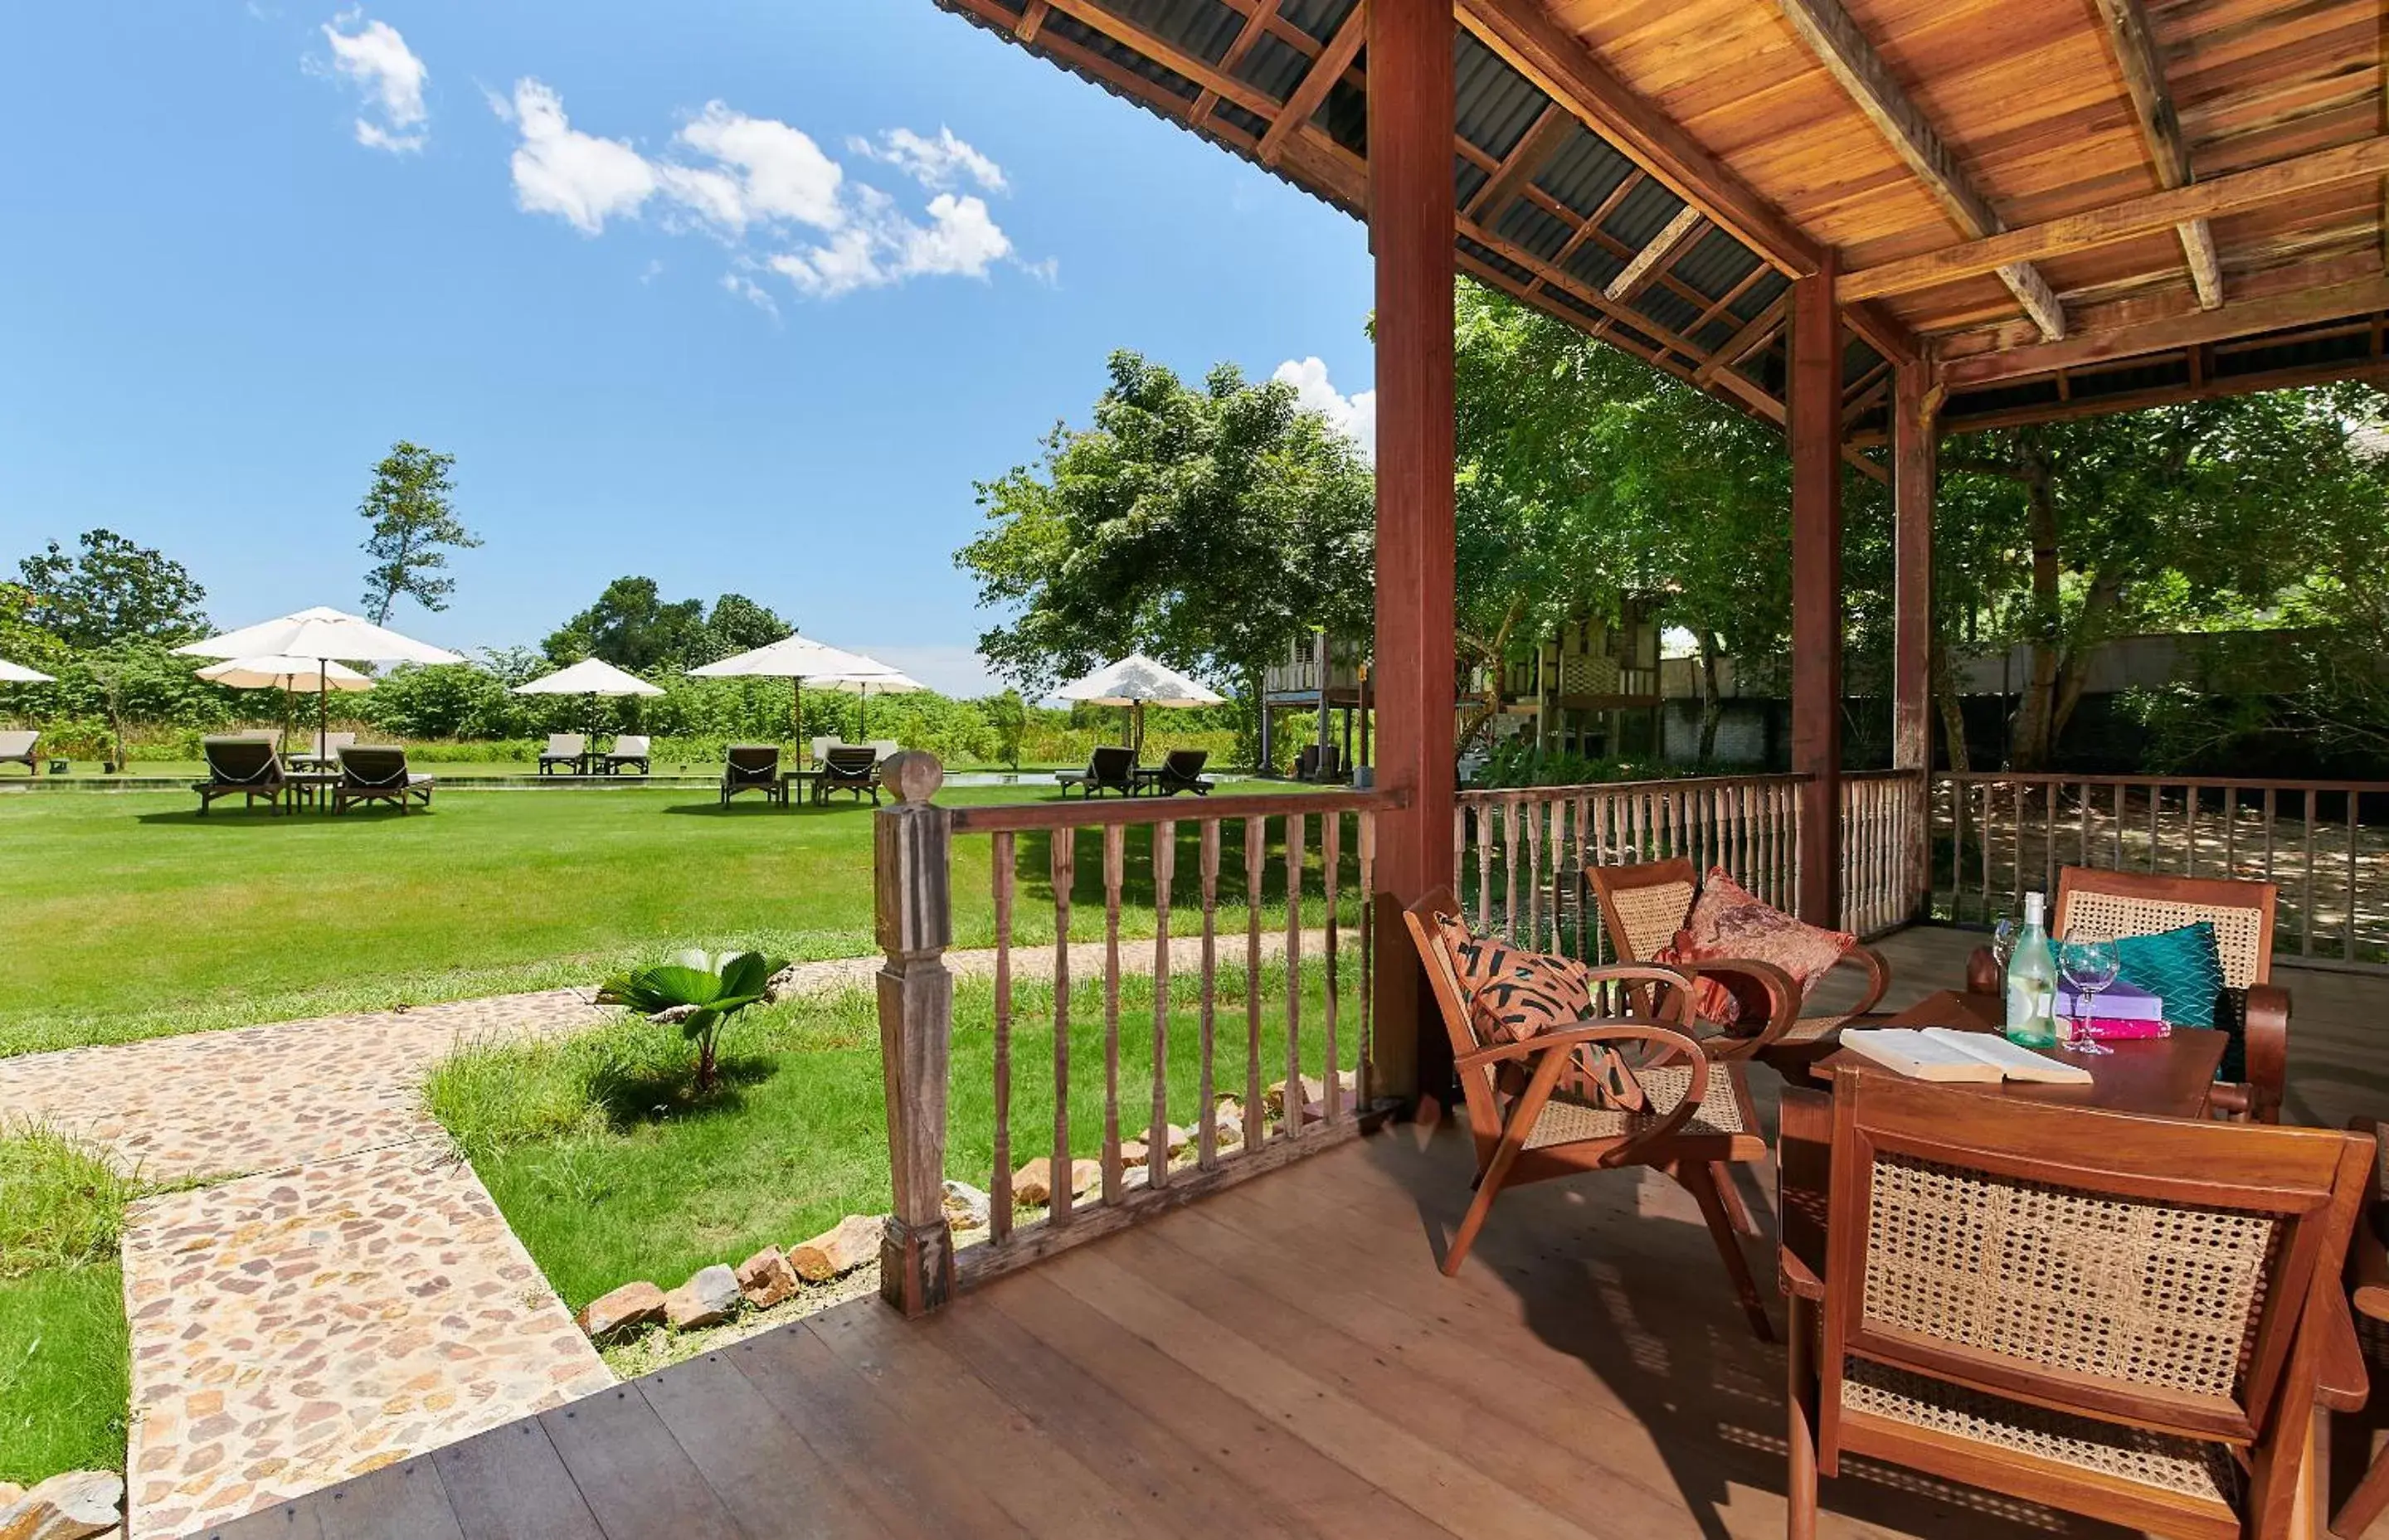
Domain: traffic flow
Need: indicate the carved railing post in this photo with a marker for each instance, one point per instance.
(917, 1009)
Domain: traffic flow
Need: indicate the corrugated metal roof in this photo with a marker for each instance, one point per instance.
(1668, 308)
(1126, 58)
(1527, 225)
(1714, 264)
(1467, 178)
(1319, 18)
(1642, 213)
(1595, 264)
(1273, 67)
(1205, 28)
(1495, 105)
(1584, 171)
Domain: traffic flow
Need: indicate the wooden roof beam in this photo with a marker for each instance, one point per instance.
(1256, 21)
(1032, 21)
(1558, 62)
(2145, 80)
(2121, 222)
(1851, 60)
(1326, 71)
(2298, 307)
(1531, 154)
(1654, 257)
(1754, 334)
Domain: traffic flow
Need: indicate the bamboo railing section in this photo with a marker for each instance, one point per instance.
(1884, 851)
(2324, 844)
(1237, 947)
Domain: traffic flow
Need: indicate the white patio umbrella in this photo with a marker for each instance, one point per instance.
(289, 675)
(1137, 682)
(797, 659)
(591, 677)
(16, 673)
(887, 684)
(323, 634)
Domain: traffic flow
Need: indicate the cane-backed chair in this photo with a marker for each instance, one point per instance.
(2125, 1316)
(1643, 906)
(2119, 904)
(1667, 1106)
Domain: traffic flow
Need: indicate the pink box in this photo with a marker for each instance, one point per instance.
(2120, 1029)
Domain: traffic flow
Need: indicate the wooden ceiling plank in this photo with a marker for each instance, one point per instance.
(2120, 221)
(1324, 71)
(2160, 124)
(1847, 54)
(1531, 155)
(2242, 318)
(1654, 257)
(1558, 62)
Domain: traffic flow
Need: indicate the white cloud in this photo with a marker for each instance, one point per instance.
(1356, 414)
(558, 170)
(767, 190)
(387, 74)
(752, 292)
(937, 164)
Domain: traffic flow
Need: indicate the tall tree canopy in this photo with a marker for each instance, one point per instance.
(1210, 527)
(632, 627)
(414, 525)
(109, 591)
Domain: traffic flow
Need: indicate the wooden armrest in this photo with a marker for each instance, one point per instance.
(1803, 1164)
(2342, 1381)
(1783, 1005)
(1567, 1039)
(1878, 972)
(2367, 1249)
(2266, 1042)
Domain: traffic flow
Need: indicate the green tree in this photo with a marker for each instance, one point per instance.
(111, 591)
(415, 526)
(630, 627)
(1208, 528)
(738, 624)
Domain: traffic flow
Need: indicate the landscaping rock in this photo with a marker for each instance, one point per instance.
(74, 1505)
(1274, 1099)
(1033, 1184)
(1134, 1152)
(852, 1243)
(621, 1312)
(967, 1206)
(708, 1299)
(9, 1493)
(1178, 1141)
(766, 1279)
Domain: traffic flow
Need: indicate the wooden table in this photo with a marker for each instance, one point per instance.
(2167, 1077)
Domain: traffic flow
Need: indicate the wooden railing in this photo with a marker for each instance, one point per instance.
(1882, 849)
(1997, 835)
(1294, 907)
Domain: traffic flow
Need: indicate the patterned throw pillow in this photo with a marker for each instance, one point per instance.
(1727, 923)
(2183, 968)
(1513, 994)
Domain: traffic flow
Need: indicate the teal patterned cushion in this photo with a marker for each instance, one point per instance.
(2181, 967)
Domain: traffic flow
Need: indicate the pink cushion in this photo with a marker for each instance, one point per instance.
(1513, 993)
(1728, 922)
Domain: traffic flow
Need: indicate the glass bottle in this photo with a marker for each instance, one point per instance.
(2032, 982)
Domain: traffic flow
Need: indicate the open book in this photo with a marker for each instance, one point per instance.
(1945, 1053)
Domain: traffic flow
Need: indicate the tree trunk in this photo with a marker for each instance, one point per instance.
(2036, 719)
(2102, 597)
(1953, 711)
(1712, 707)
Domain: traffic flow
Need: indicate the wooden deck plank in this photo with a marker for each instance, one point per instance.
(398, 1502)
(771, 1481)
(509, 1484)
(631, 1472)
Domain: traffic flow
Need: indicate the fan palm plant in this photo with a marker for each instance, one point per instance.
(698, 991)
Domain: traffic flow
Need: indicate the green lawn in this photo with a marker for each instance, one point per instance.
(64, 1377)
(129, 916)
(610, 1171)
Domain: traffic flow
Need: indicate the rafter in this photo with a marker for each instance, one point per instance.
(1654, 257)
(1752, 335)
(1032, 21)
(1322, 77)
(1553, 276)
(1256, 21)
(1851, 60)
(2153, 107)
(2239, 319)
(1531, 154)
(2121, 222)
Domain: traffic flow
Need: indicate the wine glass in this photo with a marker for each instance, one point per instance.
(2090, 963)
(2003, 939)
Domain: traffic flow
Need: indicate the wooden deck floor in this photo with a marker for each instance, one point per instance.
(1280, 1359)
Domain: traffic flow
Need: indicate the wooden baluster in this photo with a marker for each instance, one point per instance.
(1064, 852)
(1207, 1148)
(2348, 951)
(1331, 855)
(2048, 840)
(2231, 831)
(1294, 860)
(999, 1181)
(1509, 869)
(1485, 837)
(1458, 850)
(1366, 1088)
(2084, 840)
(1114, 872)
(2306, 904)
(2191, 795)
(2269, 814)
(1157, 1133)
(1533, 812)
(913, 925)
(2123, 800)
(2156, 800)
(1255, 856)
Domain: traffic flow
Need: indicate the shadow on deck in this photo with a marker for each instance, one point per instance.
(1282, 1358)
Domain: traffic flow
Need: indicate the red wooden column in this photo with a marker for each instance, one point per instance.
(1815, 425)
(1411, 214)
(1913, 455)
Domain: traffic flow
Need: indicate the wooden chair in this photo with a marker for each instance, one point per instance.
(1642, 907)
(16, 748)
(630, 748)
(244, 767)
(2124, 1317)
(1112, 768)
(850, 768)
(380, 774)
(753, 767)
(2367, 1281)
(1694, 1119)
(2117, 904)
(568, 749)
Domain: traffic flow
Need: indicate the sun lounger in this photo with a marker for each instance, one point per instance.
(850, 768)
(246, 767)
(1182, 771)
(1113, 768)
(379, 775)
(327, 749)
(16, 748)
(569, 749)
(630, 748)
(753, 767)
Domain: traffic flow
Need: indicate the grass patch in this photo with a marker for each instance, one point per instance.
(133, 917)
(609, 1170)
(65, 1379)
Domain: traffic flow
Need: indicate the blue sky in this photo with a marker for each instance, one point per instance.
(740, 295)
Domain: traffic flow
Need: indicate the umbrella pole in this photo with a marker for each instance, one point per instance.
(862, 716)
(323, 704)
(796, 695)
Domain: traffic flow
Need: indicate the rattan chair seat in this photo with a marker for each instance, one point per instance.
(1569, 1121)
(2178, 1464)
